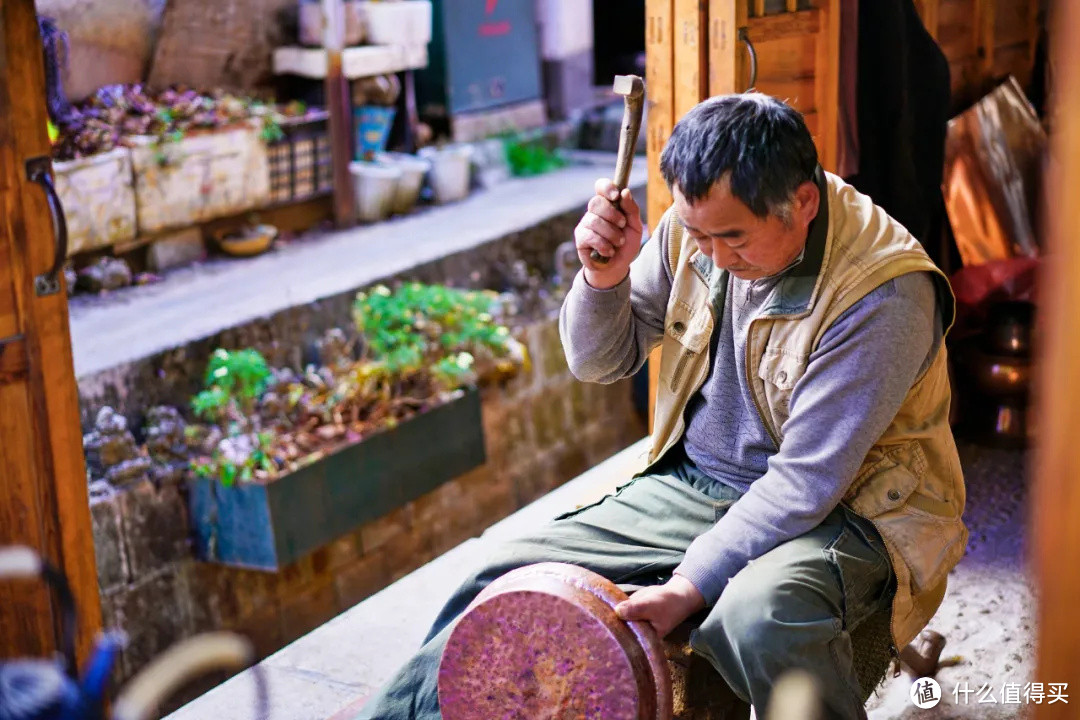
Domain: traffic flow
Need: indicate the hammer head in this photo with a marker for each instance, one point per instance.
(631, 86)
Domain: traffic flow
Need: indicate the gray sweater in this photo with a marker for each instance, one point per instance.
(853, 387)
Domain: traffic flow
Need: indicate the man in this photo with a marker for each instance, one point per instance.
(802, 474)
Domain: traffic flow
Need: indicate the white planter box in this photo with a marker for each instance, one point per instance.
(98, 199)
(398, 22)
(199, 178)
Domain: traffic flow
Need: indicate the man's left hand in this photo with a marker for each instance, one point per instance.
(663, 606)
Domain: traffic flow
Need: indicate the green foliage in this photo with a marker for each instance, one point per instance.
(420, 343)
(531, 157)
(239, 376)
(429, 326)
(271, 131)
(234, 381)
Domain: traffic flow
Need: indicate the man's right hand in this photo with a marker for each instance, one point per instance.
(612, 230)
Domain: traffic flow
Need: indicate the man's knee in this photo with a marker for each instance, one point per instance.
(756, 614)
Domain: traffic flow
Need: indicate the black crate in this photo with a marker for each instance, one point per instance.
(300, 162)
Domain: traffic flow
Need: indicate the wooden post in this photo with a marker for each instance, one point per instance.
(691, 54)
(339, 107)
(1056, 489)
(827, 83)
(43, 492)
(660, 99)
(727, 57)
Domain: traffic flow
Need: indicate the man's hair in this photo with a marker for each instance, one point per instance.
(759, 143)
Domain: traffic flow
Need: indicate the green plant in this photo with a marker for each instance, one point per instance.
(271, 131)
(420, 344)
(531, 157)
(430, 326)
(233, 383)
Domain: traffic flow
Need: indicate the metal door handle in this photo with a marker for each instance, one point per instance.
(745, 37)
(39, 170)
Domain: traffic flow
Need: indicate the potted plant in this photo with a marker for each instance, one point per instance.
(290, 462)
(450, 171)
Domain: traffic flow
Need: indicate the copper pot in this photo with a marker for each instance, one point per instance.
(1009, 328)
(544, 641)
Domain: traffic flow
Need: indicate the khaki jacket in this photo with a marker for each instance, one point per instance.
(911, 484)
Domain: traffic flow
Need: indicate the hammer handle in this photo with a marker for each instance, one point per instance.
(631, 126)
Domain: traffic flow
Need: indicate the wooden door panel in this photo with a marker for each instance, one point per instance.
(8, 319)
(799, 93)
(43, 501)
(787, 58)
(26, 623)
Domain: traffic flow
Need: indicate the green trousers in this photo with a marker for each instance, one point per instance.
(793, 607)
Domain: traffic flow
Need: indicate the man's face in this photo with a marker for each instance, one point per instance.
(747, 246)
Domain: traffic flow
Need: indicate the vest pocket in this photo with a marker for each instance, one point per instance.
(691, 330)
(778, 373)
(929, 543)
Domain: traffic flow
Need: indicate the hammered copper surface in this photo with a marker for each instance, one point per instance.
(543, 641)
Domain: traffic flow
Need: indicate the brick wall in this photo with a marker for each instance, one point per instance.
(541, 430)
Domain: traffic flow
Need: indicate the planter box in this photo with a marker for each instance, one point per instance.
(405, 22)
(266, 527)
(199, 178)
(98, 199)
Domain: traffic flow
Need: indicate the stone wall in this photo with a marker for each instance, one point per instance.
(541, 429)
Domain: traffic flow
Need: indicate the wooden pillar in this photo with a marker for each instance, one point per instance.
(727, 56)
(43, 491)
(660, 116)
(339, 107)
(691, 55)
(827, 84)
(1056, 491)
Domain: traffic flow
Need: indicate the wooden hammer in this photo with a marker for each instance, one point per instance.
(632, 88)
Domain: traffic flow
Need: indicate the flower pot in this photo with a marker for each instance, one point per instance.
(413, 170)
(267, 526)
(374, 185)
(449, 172)
(404, 22)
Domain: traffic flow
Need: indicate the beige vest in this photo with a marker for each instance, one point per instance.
(911, 484)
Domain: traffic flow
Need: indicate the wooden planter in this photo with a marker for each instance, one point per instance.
(266, 527)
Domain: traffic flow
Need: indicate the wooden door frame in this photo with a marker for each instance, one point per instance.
(47, 503)
(1055, 496)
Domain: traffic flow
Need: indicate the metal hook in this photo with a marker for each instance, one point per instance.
(745, 38)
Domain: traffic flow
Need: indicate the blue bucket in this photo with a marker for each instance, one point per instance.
(372, 124)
